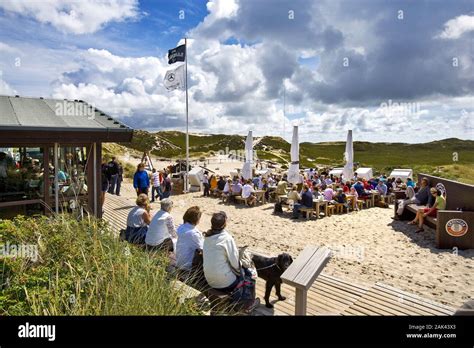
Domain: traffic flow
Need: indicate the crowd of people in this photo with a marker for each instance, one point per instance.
(222, 267)
(312, 185)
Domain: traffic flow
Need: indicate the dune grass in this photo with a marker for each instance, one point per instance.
(83, 269)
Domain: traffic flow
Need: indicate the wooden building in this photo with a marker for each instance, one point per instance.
(51, 154)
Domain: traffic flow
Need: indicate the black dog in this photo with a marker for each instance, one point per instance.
(271, 269)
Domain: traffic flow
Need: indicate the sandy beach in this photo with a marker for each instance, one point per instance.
(368, 246)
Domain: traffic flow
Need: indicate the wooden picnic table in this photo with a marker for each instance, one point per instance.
(317, 204)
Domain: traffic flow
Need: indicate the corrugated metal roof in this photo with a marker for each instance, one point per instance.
(54, 114)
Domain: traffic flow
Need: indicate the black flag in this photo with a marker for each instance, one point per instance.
(177, 54)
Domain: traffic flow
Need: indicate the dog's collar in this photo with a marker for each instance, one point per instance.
(274, 264)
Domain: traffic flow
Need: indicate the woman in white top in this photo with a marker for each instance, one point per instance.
(161, 229)
(189, 239)
(249, 193)
(221, 256)
(138, 220)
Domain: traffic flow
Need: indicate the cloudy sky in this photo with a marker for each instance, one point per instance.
(388, 70)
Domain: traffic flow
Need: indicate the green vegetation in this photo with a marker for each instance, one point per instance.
(83, 269)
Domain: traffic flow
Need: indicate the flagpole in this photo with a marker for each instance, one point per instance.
(187, 116)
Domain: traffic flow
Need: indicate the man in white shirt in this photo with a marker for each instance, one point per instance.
(248, 193)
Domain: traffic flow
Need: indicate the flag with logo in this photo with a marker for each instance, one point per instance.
(174, 78)
(177, 54)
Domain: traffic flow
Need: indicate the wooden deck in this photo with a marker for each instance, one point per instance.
(327, 296)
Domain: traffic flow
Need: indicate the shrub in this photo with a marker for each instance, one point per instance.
(83, 269)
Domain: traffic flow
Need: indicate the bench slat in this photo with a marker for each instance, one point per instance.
(314, 266)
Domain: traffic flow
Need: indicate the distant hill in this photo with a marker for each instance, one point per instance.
(435, 157)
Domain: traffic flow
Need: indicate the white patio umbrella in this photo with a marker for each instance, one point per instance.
(294, 170)
(348, 171)
(247, 168)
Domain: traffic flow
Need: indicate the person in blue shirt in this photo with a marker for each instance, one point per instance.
(410, 182)
(141, 181)
(306, 202)
(360, 189)
(382, 188)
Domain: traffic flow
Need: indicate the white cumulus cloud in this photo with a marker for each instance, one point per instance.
(77, 17)
(456, 27)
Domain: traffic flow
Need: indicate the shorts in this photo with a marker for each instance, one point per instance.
(432, 214)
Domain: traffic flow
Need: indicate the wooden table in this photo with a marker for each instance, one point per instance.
(374, 193)
(303, 272)
(317, 206)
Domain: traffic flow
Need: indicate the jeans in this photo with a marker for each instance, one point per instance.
(296, 209)
(119, 184)
(113, 183)
(158, 193)
(165, 194)
(206, 189)
(136, 235)
(142, 190)
(403, 203)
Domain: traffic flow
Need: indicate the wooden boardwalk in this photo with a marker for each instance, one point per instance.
(327, 296)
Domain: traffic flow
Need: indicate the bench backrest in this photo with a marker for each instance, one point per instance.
(307, 266)
(458, 195)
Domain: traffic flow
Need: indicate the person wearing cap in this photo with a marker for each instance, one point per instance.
(220, 255)
(161, 230)
(439, 203)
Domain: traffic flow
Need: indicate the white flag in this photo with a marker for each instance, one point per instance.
(174, 78)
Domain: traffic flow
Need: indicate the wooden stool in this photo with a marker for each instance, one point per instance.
(308, 211)
(239, 199)
(330, 209)
(339, 208)
(360, 204)
(368, 203)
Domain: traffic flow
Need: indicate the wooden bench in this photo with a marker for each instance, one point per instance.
(239, 200)
(452, 225)
(308, 211)
(330, 210)
(303, 272)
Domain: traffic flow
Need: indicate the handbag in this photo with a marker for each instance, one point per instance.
(244, 292)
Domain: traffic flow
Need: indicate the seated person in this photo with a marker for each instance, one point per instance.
(213, 184)
(306, 202)
(248, 193)
(420, 198)
(347, 187)
(355, 197)
(138, 220)
(340, 198)
(189, 238)
(410, 183)
(294, 195)
(382, 189)
(221, 184)
(438, 203)
(227, 191)
(161, 230)
(220, 256)
(359, 187)
(328, 193)
(236, 188)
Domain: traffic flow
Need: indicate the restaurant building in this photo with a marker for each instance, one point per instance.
(51, 154)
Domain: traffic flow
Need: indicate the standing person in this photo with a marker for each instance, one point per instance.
(119, 179)
(105, 183)
(141, 181)
(189, 238)
(205, 183)
(166, 186)
(113, 174)
(156, 187)
(161, 230)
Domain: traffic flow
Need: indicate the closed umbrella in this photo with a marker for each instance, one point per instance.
(348, 171)
(247, 168)
(294, 170)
